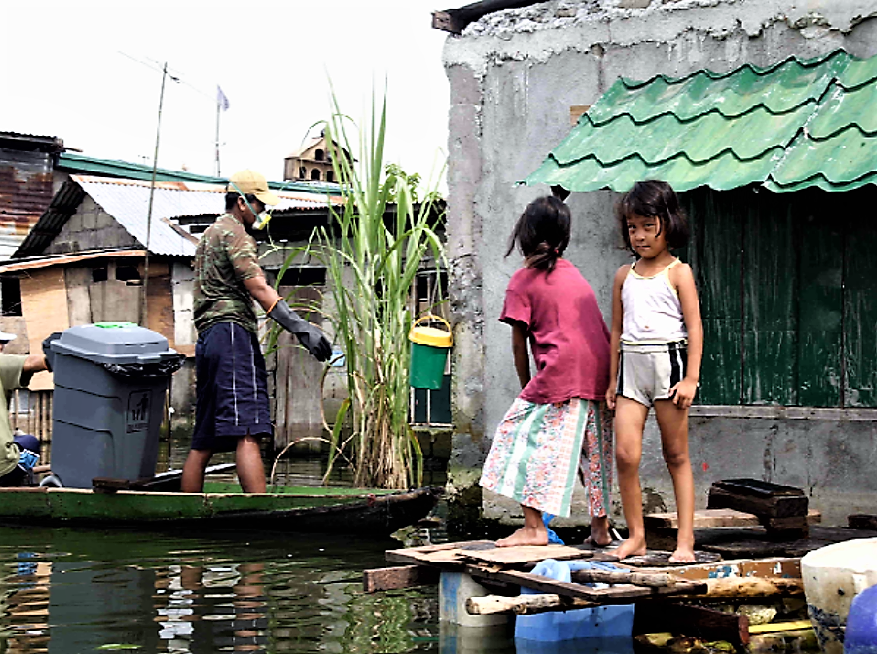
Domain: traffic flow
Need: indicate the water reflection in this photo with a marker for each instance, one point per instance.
(77, 591)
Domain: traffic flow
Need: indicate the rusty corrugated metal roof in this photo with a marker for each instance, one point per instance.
(789, 126)
(64, 259)
(26, 163)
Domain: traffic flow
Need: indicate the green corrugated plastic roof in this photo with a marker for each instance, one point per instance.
(798, 123)
(78, 163)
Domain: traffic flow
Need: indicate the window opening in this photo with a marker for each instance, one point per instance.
(10, 289)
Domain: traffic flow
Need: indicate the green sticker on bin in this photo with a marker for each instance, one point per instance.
(114, 325)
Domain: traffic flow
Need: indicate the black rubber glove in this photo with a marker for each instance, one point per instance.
(47, 349)
(311, 337)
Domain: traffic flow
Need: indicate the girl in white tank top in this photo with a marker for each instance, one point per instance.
(656, 346)
(652, 312)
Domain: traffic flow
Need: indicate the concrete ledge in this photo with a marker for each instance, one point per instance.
(783, 413)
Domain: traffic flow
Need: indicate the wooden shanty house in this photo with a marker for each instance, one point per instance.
(312, 161)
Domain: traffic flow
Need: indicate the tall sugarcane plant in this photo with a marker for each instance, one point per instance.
(372, 256)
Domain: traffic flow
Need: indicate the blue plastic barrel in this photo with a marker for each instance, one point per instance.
(861, 634)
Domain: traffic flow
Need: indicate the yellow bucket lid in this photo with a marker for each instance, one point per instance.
(431, 335)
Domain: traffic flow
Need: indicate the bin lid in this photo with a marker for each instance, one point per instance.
(431, 336)
(114, 342)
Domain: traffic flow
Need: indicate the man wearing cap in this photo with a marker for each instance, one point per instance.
(232, 410)
(15, 372)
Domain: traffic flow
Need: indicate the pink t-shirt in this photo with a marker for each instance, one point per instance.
(568, 338)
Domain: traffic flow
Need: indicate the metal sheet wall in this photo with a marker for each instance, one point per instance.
(25, 193)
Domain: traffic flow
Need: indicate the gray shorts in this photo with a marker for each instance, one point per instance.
(647, 372)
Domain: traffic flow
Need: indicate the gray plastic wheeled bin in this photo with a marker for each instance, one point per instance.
(110, 385)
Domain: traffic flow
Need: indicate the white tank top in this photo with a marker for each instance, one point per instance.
(652, 312)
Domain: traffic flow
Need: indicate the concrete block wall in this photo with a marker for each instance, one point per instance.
(91, 228)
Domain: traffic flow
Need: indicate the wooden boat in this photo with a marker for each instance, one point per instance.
(221, 505)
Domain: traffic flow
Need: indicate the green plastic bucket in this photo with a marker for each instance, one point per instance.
(429, 353)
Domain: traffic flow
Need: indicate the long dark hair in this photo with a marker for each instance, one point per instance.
(658, 199)
(542, 232)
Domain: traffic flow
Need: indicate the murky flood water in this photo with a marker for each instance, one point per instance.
(72, 591)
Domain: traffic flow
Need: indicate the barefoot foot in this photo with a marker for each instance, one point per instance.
(630, 547)
(525, 536)
(600, 536)
(683, 555)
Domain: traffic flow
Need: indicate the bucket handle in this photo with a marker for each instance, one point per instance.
(432, 318)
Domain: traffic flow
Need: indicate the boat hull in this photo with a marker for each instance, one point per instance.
(311, 509)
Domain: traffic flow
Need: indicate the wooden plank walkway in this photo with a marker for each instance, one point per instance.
(647, 581)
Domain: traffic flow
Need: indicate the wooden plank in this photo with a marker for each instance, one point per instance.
(662, 559)
(281, 394)
(44, 307)
(717, 518)
(772, 627)
(770, 301)
(653, 580)
(821, 250)
(754, 587)
(526, 554)
(718, 273)
(456, 20)
(77, 281)
(299, 378)
(160, 301)
(398, 577)
(860, 315)
(618, 594)
(758, 488)
(695, 621)
(115, 301)
(524, 604)
(862, 521)
(703, 519)
(780, 506)
(440, 555)
(576, 111)
(757, 549)
(772, 567)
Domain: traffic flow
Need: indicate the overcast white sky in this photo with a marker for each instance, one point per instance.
(68, 69)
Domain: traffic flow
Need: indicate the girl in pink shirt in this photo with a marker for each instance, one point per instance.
(558, 426)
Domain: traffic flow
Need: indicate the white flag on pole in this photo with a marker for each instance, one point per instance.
(221, 100)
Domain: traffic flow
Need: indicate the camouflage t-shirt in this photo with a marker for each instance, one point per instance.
(225, 258)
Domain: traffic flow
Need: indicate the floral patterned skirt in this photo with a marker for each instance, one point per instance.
(538, 450)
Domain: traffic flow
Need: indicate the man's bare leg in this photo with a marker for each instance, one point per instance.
(532, 533)
(192, 480)
(251, 470)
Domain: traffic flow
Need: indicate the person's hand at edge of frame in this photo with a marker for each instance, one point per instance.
(310, 336)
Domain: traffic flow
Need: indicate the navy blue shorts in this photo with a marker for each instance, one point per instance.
(232, 388)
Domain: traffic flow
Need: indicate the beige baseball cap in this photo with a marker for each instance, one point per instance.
(249, 181)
